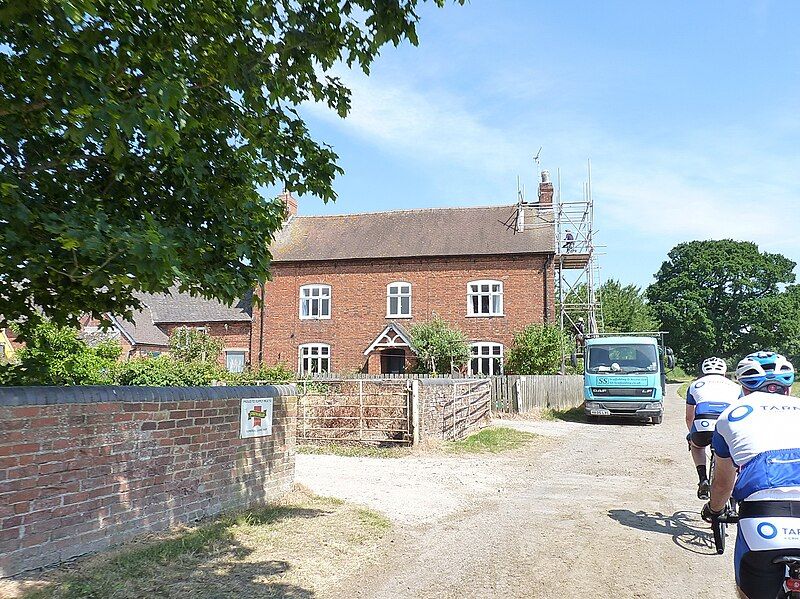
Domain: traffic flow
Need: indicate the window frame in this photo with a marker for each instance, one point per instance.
(310, 298)
(319, 357)
(243, 353)
(491, 294)
(399, 297)
(491, 356)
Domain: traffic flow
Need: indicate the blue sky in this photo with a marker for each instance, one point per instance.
(688, 111)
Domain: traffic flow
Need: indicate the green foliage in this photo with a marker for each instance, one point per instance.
(439, 347)
(136, 137)
(775, 324)
(712, 297)
(55, 355)
(625, 309)
(278, 373)
(165, 371)
(192, 345)
(537, 349)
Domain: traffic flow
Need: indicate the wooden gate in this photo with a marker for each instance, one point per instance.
(520, 394)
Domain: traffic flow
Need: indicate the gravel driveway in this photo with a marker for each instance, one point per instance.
(587, 510)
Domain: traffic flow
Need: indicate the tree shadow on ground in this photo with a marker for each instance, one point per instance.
(206, 561)
(682, 526)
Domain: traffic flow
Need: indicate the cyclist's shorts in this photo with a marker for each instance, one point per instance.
(700, 438)
(756, 575)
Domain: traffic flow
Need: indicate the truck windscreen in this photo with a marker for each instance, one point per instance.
(622, 358)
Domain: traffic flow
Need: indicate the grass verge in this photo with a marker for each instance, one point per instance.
(355, 451)
(491, 440)
(569, 415)
(291, 549)
(683, 389)
(678, 375)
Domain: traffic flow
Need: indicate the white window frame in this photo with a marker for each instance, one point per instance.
(243, 353)
(491, 294)
(399, 297)
(325, 293)
(495, 351)
(306, 351)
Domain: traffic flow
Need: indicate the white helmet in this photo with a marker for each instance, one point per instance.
(714, 365)
(765, 370)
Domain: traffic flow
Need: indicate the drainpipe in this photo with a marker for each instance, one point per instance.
(261, 328)
(547, 263)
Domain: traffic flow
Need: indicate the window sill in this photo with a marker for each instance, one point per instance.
(315, 318)
(485, 315)
(393, 316)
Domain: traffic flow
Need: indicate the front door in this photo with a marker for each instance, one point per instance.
(393, 361)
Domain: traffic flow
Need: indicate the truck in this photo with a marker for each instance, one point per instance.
(625, 376)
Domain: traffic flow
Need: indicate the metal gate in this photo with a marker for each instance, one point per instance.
(359, 411)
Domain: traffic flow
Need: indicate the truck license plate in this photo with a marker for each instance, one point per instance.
(600, 412)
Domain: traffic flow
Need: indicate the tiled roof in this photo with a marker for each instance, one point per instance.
(179, 308)
(471, 231)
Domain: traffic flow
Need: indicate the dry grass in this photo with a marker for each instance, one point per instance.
(355, 451)
(291, 549)
(576, 414)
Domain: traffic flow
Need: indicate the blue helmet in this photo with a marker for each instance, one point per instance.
(765, 371)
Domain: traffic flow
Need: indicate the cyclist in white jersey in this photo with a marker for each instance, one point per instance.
(760, 436)
(706, 399)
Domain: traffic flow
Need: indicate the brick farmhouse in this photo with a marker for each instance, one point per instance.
(148, 332)
(346, 289)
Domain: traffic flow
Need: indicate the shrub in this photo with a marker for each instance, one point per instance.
(57, 356)
(278, 373)
(166, 371)
(192, 345)
(439, 347)
(537, 349)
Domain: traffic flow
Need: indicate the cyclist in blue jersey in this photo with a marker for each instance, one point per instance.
(706, 399)
(760, 437)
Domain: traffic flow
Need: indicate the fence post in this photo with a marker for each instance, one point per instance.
(415, 411)
(360, 410)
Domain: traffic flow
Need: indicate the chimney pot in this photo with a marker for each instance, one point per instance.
(545, 190)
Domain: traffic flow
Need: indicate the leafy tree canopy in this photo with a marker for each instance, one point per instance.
(537, 349)
(439, 347)
(134, 137)
(625, 309)
(712, 295)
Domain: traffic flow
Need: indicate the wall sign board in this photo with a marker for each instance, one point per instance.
(256, 417)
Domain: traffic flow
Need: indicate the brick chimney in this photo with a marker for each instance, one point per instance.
(291, 202)
(545, 190)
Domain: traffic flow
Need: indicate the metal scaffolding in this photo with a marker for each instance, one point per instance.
(577, 270)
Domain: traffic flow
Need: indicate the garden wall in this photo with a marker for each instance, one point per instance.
(83, 468)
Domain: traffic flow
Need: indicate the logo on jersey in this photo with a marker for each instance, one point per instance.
(740, 413)
(704, 423)
(699, 384)
(767, 530)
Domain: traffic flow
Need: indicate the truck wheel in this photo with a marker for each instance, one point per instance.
(658, 419)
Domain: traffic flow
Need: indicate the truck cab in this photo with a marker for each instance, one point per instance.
(624, 377)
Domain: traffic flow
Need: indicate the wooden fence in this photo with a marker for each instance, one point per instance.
(520, 394)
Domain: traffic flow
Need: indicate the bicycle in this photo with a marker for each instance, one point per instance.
(791, 582)
(719, 526)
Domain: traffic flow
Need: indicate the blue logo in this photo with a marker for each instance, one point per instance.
(767, 530)
(699, 384)
(739, 413)
(704, 423)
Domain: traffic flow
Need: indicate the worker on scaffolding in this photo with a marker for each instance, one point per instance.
(569, 241)
(580, 335)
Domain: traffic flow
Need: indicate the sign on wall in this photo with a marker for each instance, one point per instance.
(256, 417)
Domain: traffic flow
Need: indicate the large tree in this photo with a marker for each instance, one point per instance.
(710, 296)
(625, 309)
(135, 136)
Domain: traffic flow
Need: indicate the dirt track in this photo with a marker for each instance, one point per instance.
(594, 510)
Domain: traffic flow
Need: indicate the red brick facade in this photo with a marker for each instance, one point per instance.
(359, 311)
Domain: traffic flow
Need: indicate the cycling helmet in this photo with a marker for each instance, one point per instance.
(714, 365)
(765, 371)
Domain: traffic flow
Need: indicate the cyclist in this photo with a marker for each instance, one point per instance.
(706, 399)
(760, 436)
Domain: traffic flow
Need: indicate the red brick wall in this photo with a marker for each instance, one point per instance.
(234, 335)
(359, 302)
(78, 477)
